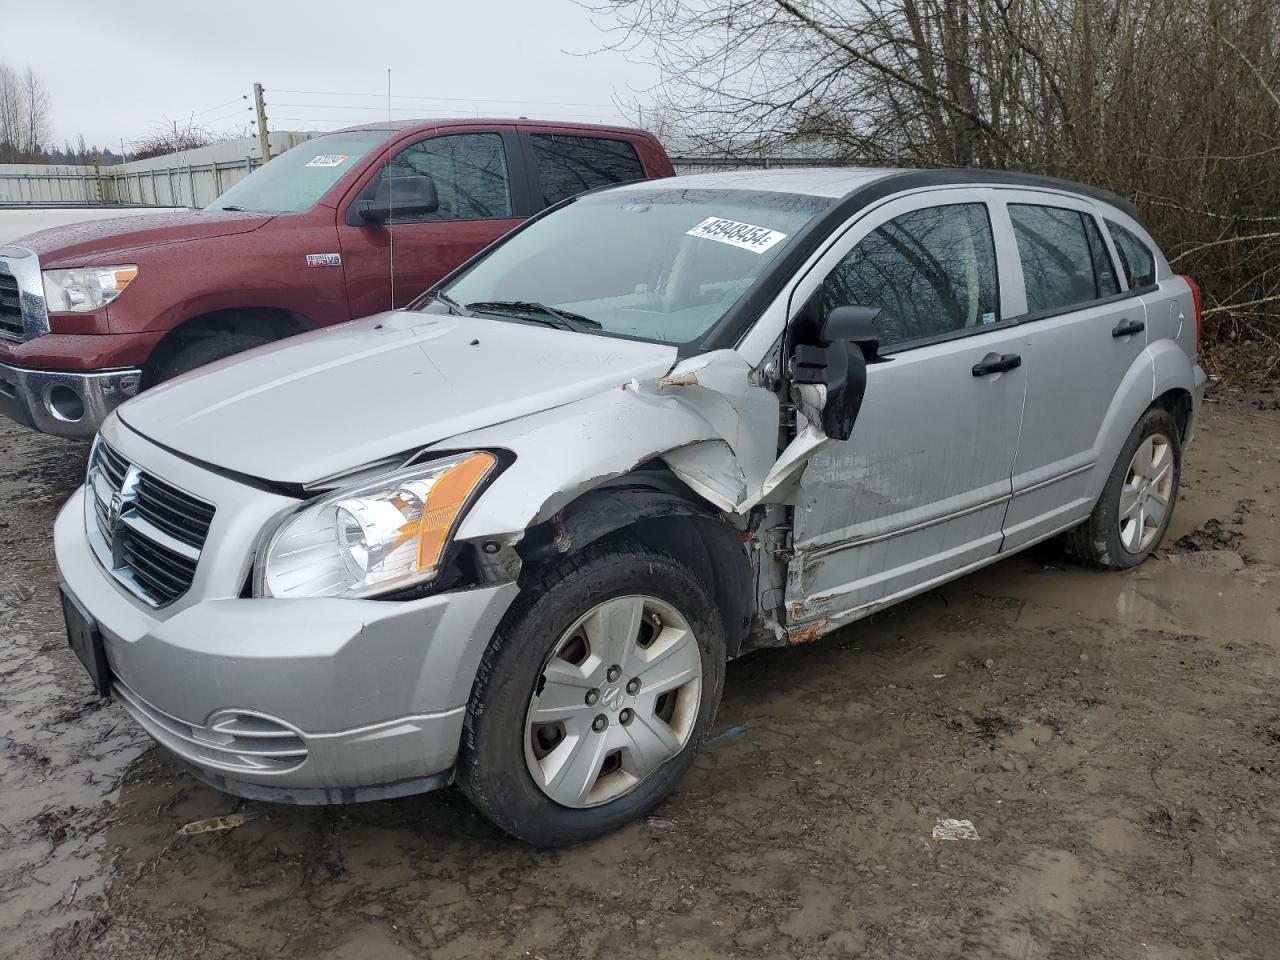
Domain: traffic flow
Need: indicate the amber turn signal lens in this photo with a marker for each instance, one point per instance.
(444, 505)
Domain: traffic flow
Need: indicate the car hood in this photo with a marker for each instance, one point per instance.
(83, 244)
(307, 408)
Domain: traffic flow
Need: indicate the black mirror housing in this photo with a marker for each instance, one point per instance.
(406, 196)
(857, 325)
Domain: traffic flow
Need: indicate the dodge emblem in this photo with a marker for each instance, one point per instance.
(113, 511)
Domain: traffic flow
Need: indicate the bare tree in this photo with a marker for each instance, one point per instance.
(24, 115)
(10, 115)
(1173, 103)
(35, 113)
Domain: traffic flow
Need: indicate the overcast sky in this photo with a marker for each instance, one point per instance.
(120, 69)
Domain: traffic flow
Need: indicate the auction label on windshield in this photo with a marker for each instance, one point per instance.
(744, 235)
(328, 160)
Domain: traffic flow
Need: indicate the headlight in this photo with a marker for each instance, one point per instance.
(85, 288)
(383, 536)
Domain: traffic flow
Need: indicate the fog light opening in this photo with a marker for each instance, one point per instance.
(64, 403)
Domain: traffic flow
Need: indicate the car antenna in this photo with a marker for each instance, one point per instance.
(391, 207)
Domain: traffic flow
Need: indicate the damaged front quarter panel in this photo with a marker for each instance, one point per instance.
(706, 420)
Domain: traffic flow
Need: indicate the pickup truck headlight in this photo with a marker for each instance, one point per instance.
(85, 288)
(375, 538)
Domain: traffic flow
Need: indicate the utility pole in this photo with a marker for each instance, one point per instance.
(264, 139)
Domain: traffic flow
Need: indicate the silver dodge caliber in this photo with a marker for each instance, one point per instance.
(510, 536)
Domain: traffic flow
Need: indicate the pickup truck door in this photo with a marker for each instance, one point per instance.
(483, 190)
(919, 490)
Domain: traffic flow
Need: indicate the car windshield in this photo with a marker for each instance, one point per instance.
(655, 263)
(297, 178)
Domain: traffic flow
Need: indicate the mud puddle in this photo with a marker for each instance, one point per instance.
(1115, 740)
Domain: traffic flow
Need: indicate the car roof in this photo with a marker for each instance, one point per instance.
(392, 126)
(839, 183)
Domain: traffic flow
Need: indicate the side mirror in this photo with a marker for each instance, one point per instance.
(407, 197)
(858, 325)
(850, 340)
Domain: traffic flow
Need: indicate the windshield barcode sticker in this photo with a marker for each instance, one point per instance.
(328, 160)
(744, 235)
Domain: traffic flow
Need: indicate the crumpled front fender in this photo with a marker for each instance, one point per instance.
(713, 427)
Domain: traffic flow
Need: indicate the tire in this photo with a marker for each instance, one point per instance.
(206, 350)
(502, 742)
(1100, 541)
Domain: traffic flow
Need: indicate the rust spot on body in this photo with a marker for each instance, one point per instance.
(809, 634)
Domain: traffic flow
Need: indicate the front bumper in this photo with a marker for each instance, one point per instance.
(305, 701)
(64, 404)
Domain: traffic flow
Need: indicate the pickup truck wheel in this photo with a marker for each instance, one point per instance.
(206, 350)
(592, 696)
(1131, 517)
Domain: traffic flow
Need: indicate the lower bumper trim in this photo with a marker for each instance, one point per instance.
(316, 796)
(64, 404)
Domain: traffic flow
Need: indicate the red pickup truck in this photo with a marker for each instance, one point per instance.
(341, 226)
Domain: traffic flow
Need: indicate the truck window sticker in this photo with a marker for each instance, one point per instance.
(327, 160)
(746, 236)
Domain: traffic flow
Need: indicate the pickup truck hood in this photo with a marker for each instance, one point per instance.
(84, 244)
(304, 409)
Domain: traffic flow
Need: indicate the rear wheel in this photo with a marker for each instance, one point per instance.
(592, 696)
(1133, 513)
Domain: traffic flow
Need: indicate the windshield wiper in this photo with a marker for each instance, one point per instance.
(237, 209)
(457, 309)
(562, 319)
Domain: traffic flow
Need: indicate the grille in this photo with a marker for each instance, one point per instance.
(153, 541)
(11, 326)
(233, 740)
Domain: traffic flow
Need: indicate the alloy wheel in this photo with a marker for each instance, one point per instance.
(1145, 494)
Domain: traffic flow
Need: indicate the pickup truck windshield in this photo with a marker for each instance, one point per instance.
(657, 263)
(293, 181)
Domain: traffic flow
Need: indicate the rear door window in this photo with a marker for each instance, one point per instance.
(568, 165)
(1057, 257)
(470, 171)
(1136, 259)
(931, 272)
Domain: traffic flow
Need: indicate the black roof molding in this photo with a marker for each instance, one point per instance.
(917, 179)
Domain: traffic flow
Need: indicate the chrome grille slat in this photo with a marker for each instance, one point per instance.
(153, 545)
(11, 323)
(172, 511)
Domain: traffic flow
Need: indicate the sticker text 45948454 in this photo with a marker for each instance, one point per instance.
(746, 236)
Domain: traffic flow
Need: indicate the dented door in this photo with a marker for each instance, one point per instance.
(919, 490)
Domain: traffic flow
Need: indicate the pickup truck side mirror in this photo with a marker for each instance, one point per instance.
(850, 340)
(407, 196)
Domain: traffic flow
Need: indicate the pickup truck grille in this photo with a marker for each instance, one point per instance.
(11, 326)
(150, 532)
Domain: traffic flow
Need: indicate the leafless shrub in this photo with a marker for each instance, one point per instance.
(1173, 103)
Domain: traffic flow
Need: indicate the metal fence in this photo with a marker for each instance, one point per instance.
(184, 185)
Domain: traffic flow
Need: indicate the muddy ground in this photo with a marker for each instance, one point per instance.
(1115, 739)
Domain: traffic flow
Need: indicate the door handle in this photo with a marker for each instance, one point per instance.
(1126, 328)
(996, 363)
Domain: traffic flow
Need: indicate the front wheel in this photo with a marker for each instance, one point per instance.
(1131, 517)
(592, 695)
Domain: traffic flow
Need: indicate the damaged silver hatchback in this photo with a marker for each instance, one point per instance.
(511, 535)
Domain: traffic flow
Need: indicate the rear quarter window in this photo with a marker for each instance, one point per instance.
(568, 165)
(1136, 258)
(1058, 257)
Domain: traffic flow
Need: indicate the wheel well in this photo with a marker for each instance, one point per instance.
(1178, 404)
(664, 515)
(271, 322)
